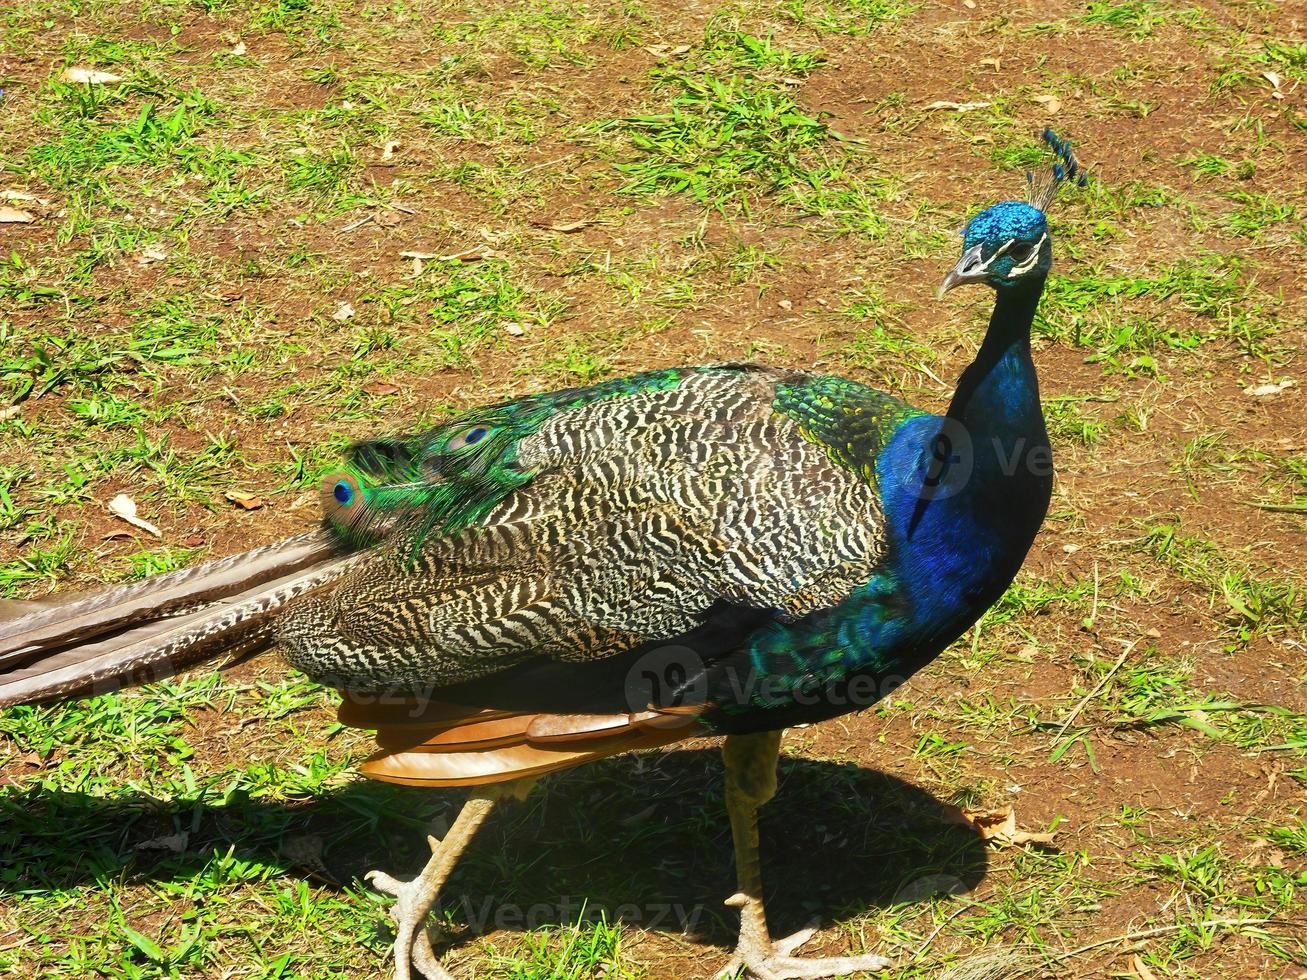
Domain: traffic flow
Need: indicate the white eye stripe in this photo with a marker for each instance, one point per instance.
(1030, 262)
(988, 263)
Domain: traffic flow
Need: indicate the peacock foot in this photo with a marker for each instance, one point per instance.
(761, 958)
(413, 900)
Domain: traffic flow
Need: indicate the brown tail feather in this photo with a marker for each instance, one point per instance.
(155, 627)
(87, 617)
(441, 744)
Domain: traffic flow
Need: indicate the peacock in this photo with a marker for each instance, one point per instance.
(725, 550)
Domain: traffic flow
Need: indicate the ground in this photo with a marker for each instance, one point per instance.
(285, 225)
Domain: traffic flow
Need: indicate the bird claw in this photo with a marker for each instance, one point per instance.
(774, 962)
(412, 941)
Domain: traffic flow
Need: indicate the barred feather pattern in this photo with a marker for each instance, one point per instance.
(641, 512)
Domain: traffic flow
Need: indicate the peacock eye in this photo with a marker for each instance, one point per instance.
(469, 437)
(1020, 252)
(343, 493)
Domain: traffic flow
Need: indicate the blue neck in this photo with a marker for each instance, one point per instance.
(965, 493)
(998, 392)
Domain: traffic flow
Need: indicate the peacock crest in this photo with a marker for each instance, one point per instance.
(1041, 189)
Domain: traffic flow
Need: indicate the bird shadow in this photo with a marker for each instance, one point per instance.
(640, 839)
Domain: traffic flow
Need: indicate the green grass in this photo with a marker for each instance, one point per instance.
(1257, 600)
(1127, 321)
(729, 139)
(1137, 17)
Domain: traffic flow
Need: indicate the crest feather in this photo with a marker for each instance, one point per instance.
(1043, 188)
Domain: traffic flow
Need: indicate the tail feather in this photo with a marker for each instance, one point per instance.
(87, 617)
(153, 628)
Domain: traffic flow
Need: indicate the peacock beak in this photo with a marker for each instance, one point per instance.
(972, 267)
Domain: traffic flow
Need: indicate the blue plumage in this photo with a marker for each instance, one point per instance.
(1005, 220)
(963, 496)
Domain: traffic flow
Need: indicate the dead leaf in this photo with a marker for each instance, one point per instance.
(15, 216)
(12, 195)
(958, 106)
(514, 329)
(245, 501)
(1000, 825)
(388, 151)
(32, 759)
(1051, 102)
(1266, 390)
(969, 4)
(89, 76)
(193, 540)
(1001, 822)
(380, 388)
(239, 49)
(477, 253)
(566, 227)
(343, 312)
(1275, 80)
(172, 843)
(149, 256)
(124, 507)
(995, 63)
(1140, 970)
(640, 816)
(388, 219)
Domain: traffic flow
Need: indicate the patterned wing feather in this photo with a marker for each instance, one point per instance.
(587, 523)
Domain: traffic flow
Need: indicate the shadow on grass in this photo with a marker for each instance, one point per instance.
(641, 839)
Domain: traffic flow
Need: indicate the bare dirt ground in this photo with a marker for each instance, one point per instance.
(285, 225)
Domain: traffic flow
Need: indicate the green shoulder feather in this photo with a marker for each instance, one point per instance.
(448, 478)
(850, 421)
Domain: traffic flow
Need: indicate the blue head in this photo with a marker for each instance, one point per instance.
(1008, 245)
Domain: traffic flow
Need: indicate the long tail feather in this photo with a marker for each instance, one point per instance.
(87, 617)
(153, 628)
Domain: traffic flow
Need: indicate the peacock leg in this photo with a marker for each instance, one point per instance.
(415, 898)
(751, 782)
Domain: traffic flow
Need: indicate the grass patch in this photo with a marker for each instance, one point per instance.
(1255, 602)
(1116, 316)
(726, 140)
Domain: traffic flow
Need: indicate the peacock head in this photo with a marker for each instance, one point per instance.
(1008, 245)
